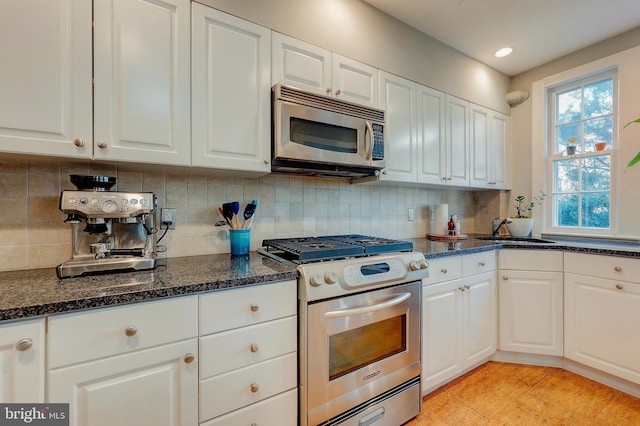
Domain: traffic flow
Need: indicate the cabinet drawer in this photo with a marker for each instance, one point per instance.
(609, 267)
(281, 410)
(478, 263)
(443, 269)
(239, 388)
(531, 260)
(229, 350)
(83, 336)
(228, 309)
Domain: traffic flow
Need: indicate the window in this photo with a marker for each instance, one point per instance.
(580, 138)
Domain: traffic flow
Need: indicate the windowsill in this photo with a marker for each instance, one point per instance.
(617, 239)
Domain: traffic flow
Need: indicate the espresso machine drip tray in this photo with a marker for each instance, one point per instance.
(90, 266)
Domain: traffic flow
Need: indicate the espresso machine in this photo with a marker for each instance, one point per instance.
(111, 230)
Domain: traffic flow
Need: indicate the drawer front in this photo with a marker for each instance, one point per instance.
(84, 336)
(478, 263)
(609, 267)
(233, 349)
(240, 388)
(531, 260)
(280, 410)
(443, 269)
(228, 309)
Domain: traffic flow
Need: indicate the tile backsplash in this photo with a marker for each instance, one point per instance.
(33, 233)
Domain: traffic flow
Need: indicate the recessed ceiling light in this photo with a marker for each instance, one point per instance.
(501, 53)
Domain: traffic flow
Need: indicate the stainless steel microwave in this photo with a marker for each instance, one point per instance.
(324, 136)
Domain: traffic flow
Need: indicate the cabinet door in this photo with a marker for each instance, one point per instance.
(299, 64)
(530, 307)
(489, 148)
(156, 386)
(142, 84)
(354, 81)
(45, 78)
(231, 93)
(398, 99)
(480, 318)
(431, 135)
(457, 147)
(601, 324)
(22, 362)
(500, 131)
(442, 333)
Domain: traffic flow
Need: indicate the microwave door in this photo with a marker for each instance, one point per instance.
(312, 134)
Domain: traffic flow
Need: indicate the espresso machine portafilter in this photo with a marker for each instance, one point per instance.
(112, 231)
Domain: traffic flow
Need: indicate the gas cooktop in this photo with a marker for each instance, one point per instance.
(314, 249)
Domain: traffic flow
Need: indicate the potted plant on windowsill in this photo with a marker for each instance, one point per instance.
(522, 224)
(571, 148)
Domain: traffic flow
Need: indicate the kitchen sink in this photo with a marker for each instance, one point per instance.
(515, 239)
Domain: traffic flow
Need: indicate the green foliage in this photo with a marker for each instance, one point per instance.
(635, 159)
(522, 208)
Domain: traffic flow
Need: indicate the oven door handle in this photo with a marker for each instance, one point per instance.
(369, 308)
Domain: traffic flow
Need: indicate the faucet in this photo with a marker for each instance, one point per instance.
(496, 224)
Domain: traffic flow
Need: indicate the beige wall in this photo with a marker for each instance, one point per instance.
(357, 30)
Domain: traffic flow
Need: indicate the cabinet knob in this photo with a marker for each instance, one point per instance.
(338, 92)
(619, 286)
(78, 142)
(102, 145)
(254, 387)
(617, 268)
(461, 288)
(466, 287)
(266, 161)
(23, 345)
(481, 264)
(131, 331)
(254, 347)
(444, 270)
(504, 277)
(254, 307)
(329, 90)
(188, 358)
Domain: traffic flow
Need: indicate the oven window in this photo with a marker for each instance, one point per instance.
(323, 136)
(354, 349)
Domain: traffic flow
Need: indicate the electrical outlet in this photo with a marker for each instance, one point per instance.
(168, 215)
(410, 214)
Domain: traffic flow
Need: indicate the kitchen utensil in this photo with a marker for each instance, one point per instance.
(248, 214)
(235, 207)
(255, 207)
(227, 213)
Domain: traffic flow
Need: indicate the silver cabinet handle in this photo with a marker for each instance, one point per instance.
(617, 268)
(254, 347)
(619, 286)
(131, 331)
(188, 358)
(78, 142)
(24, 345)
(254, 387)
(102, 145)
(254, 307)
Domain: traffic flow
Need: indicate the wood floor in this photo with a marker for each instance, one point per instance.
(499, 393)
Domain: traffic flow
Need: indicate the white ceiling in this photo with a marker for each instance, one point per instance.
(537, 30)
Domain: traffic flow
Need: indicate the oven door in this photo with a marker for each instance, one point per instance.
(305, 133)
(361, 346)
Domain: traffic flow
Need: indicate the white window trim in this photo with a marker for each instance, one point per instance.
(622, 218)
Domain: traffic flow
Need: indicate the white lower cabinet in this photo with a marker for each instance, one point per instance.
(459, 317)
(248, 356)
(126, 365)
(530, 302)
(602, 313)
(22, 362)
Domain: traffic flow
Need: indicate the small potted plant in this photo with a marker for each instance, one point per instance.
(522, 224)
(571, 148)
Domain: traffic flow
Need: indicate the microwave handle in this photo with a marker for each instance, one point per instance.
(369, 149)
(369, 308)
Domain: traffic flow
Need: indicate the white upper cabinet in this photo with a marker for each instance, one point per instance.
(489, 149)
(231, 102)
(398, 99)
(456, 170)
(142, 89)
(303, 65)
(431, 135)
(45, 78)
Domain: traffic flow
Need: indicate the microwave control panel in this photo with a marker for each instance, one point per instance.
(378, 143)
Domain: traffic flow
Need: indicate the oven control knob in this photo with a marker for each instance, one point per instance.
(331, 277)
(316, 280)
(414, 265)
(424, 264)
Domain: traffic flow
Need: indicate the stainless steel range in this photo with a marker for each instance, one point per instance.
(359, 335)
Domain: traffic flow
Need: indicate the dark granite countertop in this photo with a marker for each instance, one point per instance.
(38, 292)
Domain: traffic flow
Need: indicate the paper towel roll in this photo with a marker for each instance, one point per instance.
(441, 219)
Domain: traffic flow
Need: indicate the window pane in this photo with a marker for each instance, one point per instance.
(566, 208)
(566, 132)
(596, 174)
(566, 176)
(596, 130)
(569, 106)
(598, 98)
(595, 210)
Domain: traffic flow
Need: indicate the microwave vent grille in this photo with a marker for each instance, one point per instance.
(303, 97)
